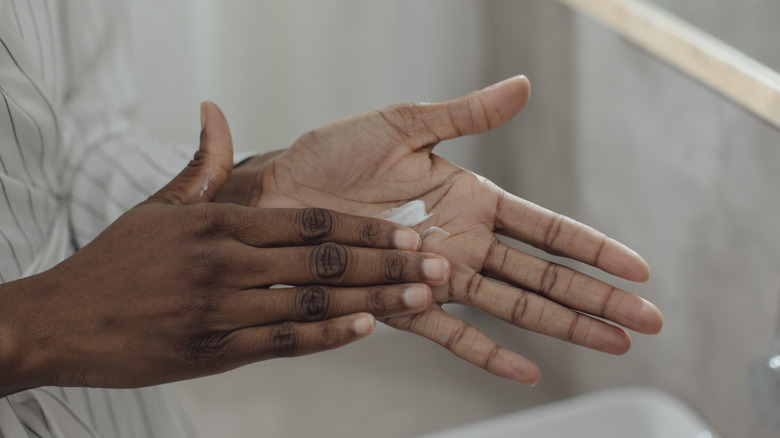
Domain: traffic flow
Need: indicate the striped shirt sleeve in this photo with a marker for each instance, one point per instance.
(109, 164)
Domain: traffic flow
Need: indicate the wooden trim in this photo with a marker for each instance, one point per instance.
(727, 70)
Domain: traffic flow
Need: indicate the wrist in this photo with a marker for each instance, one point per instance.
(24, 361)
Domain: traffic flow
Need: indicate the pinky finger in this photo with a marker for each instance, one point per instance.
(468, 343)
(288, 339)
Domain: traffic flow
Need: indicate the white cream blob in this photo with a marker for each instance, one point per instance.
(410, 214)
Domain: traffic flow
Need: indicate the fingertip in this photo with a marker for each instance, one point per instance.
(525, 86)
(436, 270)
(642, 273)
(530, 376)
(407, 239)
(653, 319)
(215, 131)
(512, 366)
(624, 262)
(364, 325)
(621, 344)
(517, 91)
(418, 297)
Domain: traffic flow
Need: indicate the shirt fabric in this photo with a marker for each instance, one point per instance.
(72, 161)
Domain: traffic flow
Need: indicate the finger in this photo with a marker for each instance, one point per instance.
(536, 313)
(474, 113)
(468, 343)
(317, 303)
(288, 339)
(329, 263)
(558, 234)
(311, 226)
(209, 169)
(572, 289)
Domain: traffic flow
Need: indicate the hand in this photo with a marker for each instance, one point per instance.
(370, 162)
(175, 288)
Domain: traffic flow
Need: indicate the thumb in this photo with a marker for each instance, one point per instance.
(207, 172)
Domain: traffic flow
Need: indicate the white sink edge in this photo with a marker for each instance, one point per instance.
(655, 408)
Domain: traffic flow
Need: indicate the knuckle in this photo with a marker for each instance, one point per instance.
(284, 340)
(552, 233)
(369, 233)
(549, 278)
(395, 264)
(208, 349)
(519, 309)
(203, 303)
(478, 106)
(208, 262)
(213, 220)
(329, 261)
(316, 224)
(473, 287)
(314, 303)
(490, 360)
(611, 303)
(600, 251)
(498, 258)
(574, 327)
(377, 301)
(207, 216)
(456, 337)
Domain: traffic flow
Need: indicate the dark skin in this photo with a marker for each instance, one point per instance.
(176, 288)
(381, 159)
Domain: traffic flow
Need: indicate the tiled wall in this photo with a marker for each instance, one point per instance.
(621, 141)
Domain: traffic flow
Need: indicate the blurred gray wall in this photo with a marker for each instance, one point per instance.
(623, 142)
(280, 68)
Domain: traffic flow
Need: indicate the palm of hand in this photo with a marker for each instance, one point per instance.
(368, 163)
(364, 184)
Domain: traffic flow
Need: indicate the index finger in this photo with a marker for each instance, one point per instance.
(559, 235)
(312, 226)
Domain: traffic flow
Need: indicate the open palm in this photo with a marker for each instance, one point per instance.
(371, 162)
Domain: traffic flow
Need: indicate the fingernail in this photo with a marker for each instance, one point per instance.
(416, 296)
(364, 325)
(435, 269)
(407, 240)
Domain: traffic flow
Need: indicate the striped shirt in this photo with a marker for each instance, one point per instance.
(71, 161)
